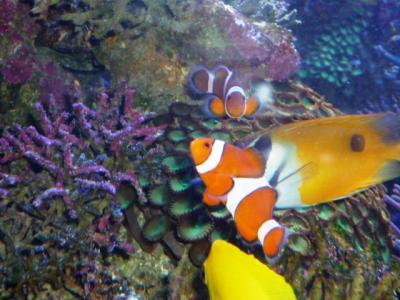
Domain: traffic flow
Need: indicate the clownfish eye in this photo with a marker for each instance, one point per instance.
(207, 145)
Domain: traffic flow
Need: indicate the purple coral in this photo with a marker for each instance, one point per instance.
(72, 148)
(284, 62)
(19, 68)
(393, 201)
(17, 29)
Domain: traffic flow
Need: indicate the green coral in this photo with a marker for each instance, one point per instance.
(333, 53)
(347, 239)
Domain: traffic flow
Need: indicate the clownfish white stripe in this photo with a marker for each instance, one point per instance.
(242, 187)
(228, 78)
(210, 84)
(235, 89)
(213, 159)
(266, 228)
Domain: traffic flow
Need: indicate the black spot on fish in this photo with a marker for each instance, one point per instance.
(357, 143)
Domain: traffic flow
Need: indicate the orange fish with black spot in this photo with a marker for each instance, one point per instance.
(301, 164)
(223, 94)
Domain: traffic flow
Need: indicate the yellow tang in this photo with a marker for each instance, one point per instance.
(231, 274)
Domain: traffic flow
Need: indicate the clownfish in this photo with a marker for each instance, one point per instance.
(231, 274)
(300, 164)
(223, 95)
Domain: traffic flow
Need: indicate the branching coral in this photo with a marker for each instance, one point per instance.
(60, 183)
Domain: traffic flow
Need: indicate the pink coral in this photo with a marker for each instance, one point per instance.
(263, 49)
(284, 62)
(19, 68)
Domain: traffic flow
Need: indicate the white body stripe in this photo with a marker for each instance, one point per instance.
(266, 228)
(213, 159)
(228, 78)
(235, 89)
(288, 189)
(210, 84)
(243, 187)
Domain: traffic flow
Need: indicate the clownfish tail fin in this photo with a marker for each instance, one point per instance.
(273, 237)
(252, 106)
(200, 82)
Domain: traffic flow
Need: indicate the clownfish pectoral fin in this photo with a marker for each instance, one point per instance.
(213, 200)
(200, 82)
(252, 106)
(220, 185)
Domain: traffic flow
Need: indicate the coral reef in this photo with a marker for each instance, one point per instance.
(388, 56)
(16, 33)
(61, 186)
(18, 61)
(154, 44)
(272, 11)
(393, 201)
(90, 182)
(349, 51)
(356, 245)
(336, 55)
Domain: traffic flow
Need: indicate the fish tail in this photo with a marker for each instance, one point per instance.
(388, 125)
(253, 105)
(273, 237)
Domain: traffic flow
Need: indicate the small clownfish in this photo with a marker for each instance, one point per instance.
(223, 95)
(231, 274)
(300, 164)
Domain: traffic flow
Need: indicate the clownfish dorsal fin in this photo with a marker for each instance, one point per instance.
(222, 76)
(252, 106)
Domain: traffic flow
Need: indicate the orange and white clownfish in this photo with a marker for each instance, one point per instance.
(300, 164)
(224, 95)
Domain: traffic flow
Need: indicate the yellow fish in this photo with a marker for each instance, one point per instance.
(299, 164)
(231, 274)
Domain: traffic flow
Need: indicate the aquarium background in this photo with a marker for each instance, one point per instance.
(98, 195)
